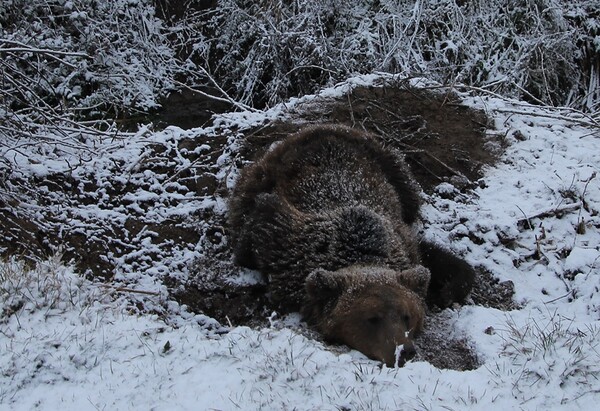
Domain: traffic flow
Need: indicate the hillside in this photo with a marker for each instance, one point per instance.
(124, 126)
(531, 219)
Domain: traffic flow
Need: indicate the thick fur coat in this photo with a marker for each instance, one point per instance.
(326, 216)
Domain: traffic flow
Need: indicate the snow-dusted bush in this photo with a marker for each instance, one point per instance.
(541, 50)
(87, 55)
(66, 62)
(68, 68)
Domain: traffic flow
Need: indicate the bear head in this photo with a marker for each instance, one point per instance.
(370, 309)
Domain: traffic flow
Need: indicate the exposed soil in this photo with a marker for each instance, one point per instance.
(442, 140)
(187, 109)
(95, 224)
(437, 346)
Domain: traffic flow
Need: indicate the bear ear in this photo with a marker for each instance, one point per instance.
(415, 279)
(323, 284)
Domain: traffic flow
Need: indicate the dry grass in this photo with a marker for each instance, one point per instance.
(552, 350)
(46, 285)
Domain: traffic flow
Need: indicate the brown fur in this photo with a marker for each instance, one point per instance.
(316, 201)
(331, 204)
(370, 309)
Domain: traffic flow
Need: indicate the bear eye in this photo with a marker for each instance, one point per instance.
(374, 320)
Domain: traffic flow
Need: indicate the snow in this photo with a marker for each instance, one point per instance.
(74, 344)
(582, 258)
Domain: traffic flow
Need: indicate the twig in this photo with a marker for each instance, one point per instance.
(591, 123)
(558, 298)
(548, 213)
(446, 166)
(41, 51)
(428, 170)
(210, 96)
(235, 103)
(129, 290)
(351, 109)
(25, 48)
(524, 220)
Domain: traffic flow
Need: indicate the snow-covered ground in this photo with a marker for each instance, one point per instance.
(67, 343)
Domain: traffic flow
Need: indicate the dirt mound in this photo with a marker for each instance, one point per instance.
(140, 223)
(443, 140)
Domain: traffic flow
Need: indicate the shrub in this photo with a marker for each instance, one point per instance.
(545, 51)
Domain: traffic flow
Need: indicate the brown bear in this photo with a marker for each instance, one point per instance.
(326, 216)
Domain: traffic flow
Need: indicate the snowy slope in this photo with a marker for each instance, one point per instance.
(75, 345)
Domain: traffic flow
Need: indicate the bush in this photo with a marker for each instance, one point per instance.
(82, 57)
(68, 68)
(66, 61)
(545, 51)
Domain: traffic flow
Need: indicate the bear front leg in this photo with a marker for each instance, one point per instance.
(265, 206)
(451, 277)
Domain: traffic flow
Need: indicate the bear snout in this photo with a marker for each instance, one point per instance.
(403, 354)
(386, 339)
(372, 313)
(391, 354)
